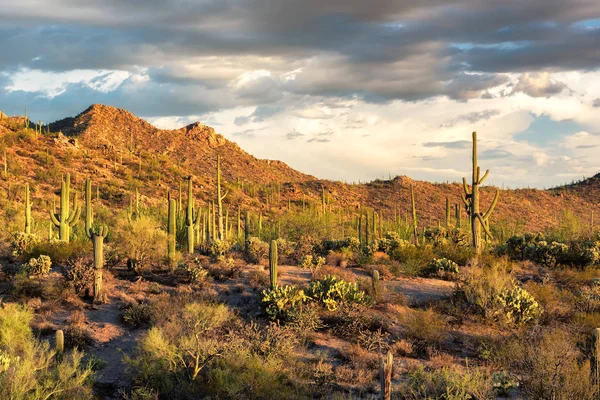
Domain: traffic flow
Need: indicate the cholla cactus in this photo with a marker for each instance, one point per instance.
(443, 266)
(312, 264)
(38, 266)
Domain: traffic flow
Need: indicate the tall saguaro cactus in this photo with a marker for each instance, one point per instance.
(414, 214)
(191, 217)
(247, 232)
(470, 198)
(67, 218)
(171, 229)
(89, 213)
(220, 198)
(385, 375)
(97, 236)
(273, 255)
(27, 210)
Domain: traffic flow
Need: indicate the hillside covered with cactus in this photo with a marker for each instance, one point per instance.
(124, 153)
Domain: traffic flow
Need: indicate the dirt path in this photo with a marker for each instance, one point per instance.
(417, 291)
(112, 340)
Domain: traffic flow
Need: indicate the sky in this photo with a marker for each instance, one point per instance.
(349, 90)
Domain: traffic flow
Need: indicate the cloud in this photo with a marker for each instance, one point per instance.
(471, 118)
(260, 114)
(538, 85)
(459, 144)
(398, 81)
(293, 135)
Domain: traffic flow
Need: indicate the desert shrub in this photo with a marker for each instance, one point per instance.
(425, 328)
(22, 243)
(217, 248)
(38, 266)
(79, 273)
(203, 350)
(312, 264)
(443, 236)
(408, 252)
(60, 252)
(141, 242)
(285, 251)
(138, 315)
(588, 297)
(547, 366)
(556, 303)
(257, 250)
(331, 292)
(306, 245)
(550, 253)
(195, 271)
(447, 383)
(29, 368)
(283, 302)
(493, 293)
(442, 267)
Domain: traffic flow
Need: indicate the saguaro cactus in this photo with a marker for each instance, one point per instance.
(89, 213)
(67, 217)
(191, 217)
(220, 200)
(97, 237)
(471, 201)
(60, 344)
(273, 263)
(414, 214)
(247, 231)
(171, 229)
(385, 375)
(457, 214)
(447, 213)
(27, 210)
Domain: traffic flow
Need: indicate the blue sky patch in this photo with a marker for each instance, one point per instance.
(543, 130)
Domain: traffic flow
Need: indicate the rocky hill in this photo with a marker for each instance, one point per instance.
(122, 152)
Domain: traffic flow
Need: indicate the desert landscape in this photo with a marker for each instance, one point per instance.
(283, 199)
(142, 263)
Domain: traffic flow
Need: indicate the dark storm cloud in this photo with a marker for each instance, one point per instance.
(380, 50)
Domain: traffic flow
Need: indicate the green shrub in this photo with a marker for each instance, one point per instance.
(257, 250)
(448, 383)
(493, 293)
(331, 292)
(138, 315)
(29, 368)
(547, 365)
(142, 242)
